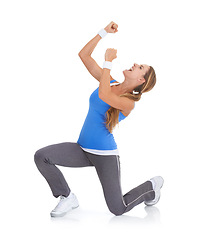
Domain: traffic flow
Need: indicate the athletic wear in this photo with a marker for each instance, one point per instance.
(96, 147)
(94, 136)
(65, 205)
(108, 170)
(157, 183)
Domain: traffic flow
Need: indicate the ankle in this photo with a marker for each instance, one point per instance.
(68, 196)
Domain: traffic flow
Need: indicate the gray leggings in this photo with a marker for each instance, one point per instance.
(108, 170)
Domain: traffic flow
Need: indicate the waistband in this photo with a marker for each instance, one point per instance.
(101, 152)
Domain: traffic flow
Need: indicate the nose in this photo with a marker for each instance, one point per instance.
(135, 65)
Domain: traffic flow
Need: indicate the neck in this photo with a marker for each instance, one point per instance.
(125, 87)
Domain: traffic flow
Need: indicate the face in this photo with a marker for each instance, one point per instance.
(136, 73)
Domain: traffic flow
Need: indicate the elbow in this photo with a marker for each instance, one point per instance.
(83, 56)
(80, 55)
(102, 95)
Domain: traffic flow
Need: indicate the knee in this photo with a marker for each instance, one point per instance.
(39, 157)
(117, 211)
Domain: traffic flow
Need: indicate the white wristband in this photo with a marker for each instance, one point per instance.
(102, 33)
(107, 65)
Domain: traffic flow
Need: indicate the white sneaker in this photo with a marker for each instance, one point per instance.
(65, 205)
(157, 183)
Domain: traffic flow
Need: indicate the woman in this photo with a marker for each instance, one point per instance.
(109, 104)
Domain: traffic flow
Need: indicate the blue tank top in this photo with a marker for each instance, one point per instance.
(94, 134)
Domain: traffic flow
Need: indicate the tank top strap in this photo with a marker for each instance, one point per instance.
(114, 82)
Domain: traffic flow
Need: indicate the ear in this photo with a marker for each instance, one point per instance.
(141, 80)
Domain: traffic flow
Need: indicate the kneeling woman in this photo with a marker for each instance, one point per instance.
(109, 104)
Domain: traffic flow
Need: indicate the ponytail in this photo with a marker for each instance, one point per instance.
(112, 115)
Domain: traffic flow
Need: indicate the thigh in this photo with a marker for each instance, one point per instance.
(64, 154)
(108, 170)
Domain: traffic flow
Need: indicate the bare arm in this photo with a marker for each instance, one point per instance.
(122, 103)
(89, 62)
(86, 52)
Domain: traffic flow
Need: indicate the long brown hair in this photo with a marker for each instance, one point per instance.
(112, 115)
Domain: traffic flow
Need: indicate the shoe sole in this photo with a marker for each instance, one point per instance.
(54, 214)
(162, 182)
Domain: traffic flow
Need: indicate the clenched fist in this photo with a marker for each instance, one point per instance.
(111, 28)
(110, 54)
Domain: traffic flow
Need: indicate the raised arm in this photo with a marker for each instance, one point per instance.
(86, 52)
(124, 104)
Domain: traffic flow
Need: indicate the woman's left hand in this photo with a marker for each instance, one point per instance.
(110, 54)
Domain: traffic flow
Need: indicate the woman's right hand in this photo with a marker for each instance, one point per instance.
(111, 28)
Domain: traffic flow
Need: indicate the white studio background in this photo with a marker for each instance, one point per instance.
(175, 130)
